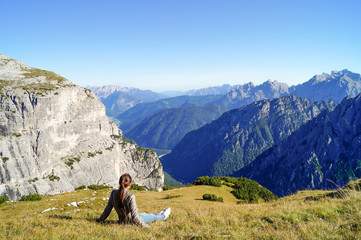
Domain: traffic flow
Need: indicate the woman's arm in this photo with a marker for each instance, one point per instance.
(107, 209)
(134, 213)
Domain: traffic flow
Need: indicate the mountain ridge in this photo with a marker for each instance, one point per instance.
(237, 137)
(323, 152)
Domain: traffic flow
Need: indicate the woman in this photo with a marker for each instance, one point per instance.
(124, 203)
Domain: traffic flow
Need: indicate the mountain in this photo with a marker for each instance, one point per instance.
(163, 130)
(55, 136)
(235, 139)
(334, 86)
(134, 116)
(118, 99)
(218, 90)
(171, 94)
(323, 154)
(248, 93)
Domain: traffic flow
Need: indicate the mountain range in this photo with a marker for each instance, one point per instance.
(118, 99)
(166, 128)
(235, 139)
(134, 116)
(335, 86)
(332, 86)
(324, 153)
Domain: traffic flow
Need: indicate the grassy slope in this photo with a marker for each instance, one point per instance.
(287, 218)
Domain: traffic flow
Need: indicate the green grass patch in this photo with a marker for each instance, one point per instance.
(35, 72)
(71, 161)
(52, 177)
(93, 154)
(137, 187)
(80, 187)
(98, 187)
(33, 180)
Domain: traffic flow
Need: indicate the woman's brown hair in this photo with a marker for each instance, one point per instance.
(124, 182)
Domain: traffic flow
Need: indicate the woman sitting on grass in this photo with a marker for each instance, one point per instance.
(124, 203)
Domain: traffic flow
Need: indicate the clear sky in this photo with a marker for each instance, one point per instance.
(183, 44)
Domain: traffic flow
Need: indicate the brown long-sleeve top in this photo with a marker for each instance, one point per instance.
(127, 213)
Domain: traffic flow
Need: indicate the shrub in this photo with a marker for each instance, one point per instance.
(80, 187)
(98, 187)
(205, 180)
(250, 191)
(172, 196)
(5, 159)
(70, 161)
(31, 197)
(137, 187)
(212, 197)
(165, 188)
(3, 199)
(33, 180)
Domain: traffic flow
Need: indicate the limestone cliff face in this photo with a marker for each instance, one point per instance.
(55, 136)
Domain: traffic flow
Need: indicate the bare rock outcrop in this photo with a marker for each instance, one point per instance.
(55, 136)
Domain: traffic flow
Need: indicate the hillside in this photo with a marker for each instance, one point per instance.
(132, 117)
(293, 217)
(166, 128)
(323, 154)
(236, 138)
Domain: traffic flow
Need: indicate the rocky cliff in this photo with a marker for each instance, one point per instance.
(323, 154)
(236, 138)
(55, 136)
(334, 86)
(249, 93)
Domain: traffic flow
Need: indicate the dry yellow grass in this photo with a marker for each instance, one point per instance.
(191, 218)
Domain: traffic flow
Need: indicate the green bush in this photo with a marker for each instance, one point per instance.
(212, 197)
(172, 196)
(205, 180)
(98, 187)
(31, 197)
(3, 199)
(250, 191)
(137, 187)
(5, 159)
(33, 180)
(80, 187)
(165, 188)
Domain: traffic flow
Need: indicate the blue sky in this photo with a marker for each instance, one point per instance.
(184, 44)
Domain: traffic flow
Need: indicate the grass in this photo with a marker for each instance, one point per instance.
(192, 218)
